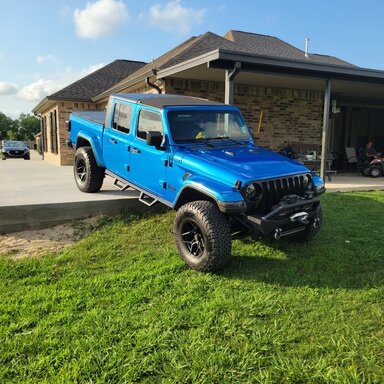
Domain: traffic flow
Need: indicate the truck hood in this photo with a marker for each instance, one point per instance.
(245, 163)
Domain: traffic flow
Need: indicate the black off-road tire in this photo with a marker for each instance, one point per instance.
(375, 171)
(88, 176)
(311, 230)
(203, 236)
(27, 158)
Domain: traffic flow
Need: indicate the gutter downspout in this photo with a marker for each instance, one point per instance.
(229, 82)
(152, 85)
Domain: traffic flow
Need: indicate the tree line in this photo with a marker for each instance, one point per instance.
(24, 128)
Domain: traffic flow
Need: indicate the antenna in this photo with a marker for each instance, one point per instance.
(306, 47)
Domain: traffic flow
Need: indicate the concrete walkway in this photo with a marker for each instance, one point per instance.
(36, 194)
(348, 182)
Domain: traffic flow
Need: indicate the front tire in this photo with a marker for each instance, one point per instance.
(88, 176)
(375, 172)
(203, 236)
(312, 229)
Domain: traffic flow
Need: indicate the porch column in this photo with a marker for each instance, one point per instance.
(324, 138)
(229, 83)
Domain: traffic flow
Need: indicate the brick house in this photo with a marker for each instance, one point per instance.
(54, 110)
(287, 95)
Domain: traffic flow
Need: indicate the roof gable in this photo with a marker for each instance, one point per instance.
(97, 82)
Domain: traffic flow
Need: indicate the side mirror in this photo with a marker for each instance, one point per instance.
(154, 138)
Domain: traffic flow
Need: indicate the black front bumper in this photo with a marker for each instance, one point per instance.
(16, 154)
(282, 216)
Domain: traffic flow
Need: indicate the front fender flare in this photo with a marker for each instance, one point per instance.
(228, 199)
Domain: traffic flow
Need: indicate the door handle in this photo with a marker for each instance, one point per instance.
(135, 150)
(113, 141)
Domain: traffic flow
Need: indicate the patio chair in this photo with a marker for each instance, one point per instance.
(351, 156)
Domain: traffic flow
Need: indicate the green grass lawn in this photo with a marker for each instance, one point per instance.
(120, 307)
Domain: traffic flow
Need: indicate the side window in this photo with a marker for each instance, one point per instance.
(149, 121)
(122, 117)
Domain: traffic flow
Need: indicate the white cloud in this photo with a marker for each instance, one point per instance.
(46, 58)
(41, 88)
(7, 88)
(174, 17)
(101, 18)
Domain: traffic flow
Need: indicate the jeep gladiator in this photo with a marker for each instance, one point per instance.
(197, 157)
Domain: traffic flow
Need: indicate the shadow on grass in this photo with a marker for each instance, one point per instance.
(348, 253)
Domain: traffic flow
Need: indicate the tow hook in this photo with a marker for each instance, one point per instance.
(277, 234)
(301, 217)
(316, 223)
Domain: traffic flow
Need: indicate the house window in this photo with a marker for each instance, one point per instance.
(122, 117)
(44, 141)
(148, 121)
(53, 121)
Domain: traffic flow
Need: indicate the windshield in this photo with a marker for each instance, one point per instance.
(14, 144)
(205, 124)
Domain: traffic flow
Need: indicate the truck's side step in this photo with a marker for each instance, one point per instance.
(120, 185)
(147, 200)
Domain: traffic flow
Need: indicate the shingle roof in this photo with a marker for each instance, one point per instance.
(97, 82)
(272, 46)
(235, 41)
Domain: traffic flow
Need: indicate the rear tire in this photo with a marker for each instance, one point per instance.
(88, 176)
(203, 236)
(312, 229)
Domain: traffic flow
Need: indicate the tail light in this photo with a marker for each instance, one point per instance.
(68, 125)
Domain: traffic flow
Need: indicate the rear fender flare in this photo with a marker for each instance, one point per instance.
(94, 142)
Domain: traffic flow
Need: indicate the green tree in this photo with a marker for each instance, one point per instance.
(6, 124)
(28, 126)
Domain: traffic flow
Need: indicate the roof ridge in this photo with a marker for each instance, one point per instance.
(250, 33)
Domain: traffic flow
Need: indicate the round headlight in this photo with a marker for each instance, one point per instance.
(253, 192)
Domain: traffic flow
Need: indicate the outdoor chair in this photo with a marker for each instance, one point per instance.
(351, 156)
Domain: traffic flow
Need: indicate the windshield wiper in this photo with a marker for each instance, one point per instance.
(204, 141)
(226, 138)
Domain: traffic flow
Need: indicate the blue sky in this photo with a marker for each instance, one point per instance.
(46, 45)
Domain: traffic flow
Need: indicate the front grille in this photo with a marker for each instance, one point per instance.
(273, 191)
(16, 152)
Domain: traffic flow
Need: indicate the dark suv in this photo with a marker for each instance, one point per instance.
(12, 148)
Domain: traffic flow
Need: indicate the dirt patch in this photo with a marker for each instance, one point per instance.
(38, 242)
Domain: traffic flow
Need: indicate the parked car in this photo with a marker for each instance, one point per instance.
(15, 149)
(197, 157)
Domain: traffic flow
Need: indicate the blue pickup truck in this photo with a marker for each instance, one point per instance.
(197, 157)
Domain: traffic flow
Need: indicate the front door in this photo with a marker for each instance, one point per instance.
(116, 141)
(148, 164)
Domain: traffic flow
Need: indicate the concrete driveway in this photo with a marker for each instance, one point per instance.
(37, 194)
(24, 182)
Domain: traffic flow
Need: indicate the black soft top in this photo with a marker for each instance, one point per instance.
(160, 101)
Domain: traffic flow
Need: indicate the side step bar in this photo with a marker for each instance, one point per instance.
(118, 184)
(147, 200)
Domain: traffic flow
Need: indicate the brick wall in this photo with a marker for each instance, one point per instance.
(64, 155)
(289, 115)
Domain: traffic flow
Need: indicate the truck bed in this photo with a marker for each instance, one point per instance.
(95, 116)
